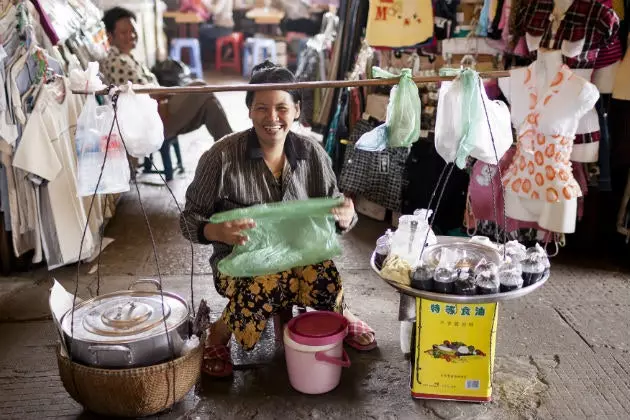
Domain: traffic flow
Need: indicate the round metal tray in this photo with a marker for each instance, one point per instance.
(441, 297)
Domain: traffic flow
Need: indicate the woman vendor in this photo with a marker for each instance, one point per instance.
(267, 163)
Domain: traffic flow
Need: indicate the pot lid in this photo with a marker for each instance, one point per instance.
(318, 328)
(125, 316)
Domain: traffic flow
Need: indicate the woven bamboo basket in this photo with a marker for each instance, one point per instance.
(134, 392)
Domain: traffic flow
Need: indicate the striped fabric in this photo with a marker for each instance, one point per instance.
(233, 174)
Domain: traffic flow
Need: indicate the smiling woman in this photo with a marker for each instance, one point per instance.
(265, 164)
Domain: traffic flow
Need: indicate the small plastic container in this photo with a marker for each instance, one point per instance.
(422, 278)
(465, 283)
(383, 247)
(510, 277)
(443, 280)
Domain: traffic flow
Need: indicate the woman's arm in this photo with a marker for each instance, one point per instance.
(329, 182)
(201, 197)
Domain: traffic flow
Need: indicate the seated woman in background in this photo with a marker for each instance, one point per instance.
(186, 113)
(267, 163)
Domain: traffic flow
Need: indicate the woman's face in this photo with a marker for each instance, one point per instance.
(272, 113)
(125, 35)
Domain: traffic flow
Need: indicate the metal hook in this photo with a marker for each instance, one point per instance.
(557, 248)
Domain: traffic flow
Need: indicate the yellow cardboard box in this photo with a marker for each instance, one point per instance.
(454, 351)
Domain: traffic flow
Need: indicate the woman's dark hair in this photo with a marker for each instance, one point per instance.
(267, 72)
(113, 15)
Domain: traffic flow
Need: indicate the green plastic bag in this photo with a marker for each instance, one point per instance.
(403, 110)
(287, 235)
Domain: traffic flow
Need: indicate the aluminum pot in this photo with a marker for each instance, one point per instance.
(127, 329)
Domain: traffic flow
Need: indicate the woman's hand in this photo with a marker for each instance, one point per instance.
(344, 213)
(230, 233)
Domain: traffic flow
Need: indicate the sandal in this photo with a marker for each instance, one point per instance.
(356, 329)
(212, 353)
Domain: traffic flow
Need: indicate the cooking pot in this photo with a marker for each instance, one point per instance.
(126, 329)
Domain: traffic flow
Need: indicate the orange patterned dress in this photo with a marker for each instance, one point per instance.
(541, 169)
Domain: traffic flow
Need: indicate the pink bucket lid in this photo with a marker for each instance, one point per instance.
(318, 328)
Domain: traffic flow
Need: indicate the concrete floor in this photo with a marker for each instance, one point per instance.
(562, 352)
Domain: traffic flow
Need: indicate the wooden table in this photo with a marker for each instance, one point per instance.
(269, 18)
(188, 23)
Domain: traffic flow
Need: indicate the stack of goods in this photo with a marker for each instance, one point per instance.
(460, 267)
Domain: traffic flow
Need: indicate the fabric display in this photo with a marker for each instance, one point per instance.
(396, 24)
(42, 213)
(375, 175)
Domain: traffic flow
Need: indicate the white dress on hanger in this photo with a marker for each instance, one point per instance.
(548, 100)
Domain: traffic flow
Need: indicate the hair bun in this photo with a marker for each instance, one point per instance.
(265, 65)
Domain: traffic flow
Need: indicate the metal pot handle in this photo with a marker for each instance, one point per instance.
(145, 281)
(98, 348)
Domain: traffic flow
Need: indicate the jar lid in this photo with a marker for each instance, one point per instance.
(125, 316)
(318, 328)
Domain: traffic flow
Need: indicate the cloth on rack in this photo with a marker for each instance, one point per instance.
(409, 25)
(587, 27)
(376, 176)
(50, 132)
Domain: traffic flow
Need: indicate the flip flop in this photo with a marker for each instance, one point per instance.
(356, 329)
(214, 352)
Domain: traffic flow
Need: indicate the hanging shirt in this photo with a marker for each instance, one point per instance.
(399, 24)
(119, 68)
(47, 150)
(586, 27)
(546, 120)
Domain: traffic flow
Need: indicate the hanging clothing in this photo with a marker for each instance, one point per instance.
(546, 118)
(47, 149)
(401, 24)
(376, 176)
(586, 27)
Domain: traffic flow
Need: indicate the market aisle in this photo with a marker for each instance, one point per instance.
(562, 352)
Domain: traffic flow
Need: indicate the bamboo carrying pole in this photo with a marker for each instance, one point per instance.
(175, 90)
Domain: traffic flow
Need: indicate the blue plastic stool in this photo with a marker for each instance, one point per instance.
(256, 50)
(177, 44)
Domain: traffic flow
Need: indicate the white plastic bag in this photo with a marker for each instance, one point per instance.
(140, 123)
(461, 126)
(86, 80)
(93, 128)
(409, 239)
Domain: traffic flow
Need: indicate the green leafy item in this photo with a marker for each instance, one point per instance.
(287, 235)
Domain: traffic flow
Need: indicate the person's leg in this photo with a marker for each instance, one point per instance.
(188, 112)
(320, 288)
(252, 301)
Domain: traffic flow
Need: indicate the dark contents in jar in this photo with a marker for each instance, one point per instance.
(443, 280)
(422, 278)
(379, 259)
(487, 283)
(465, 283)
(510, 277)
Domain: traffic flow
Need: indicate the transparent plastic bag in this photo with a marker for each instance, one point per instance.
(93, 128)
(402, 126)
(140, 123)
(287, 235)
(461, 126)
(408, 240)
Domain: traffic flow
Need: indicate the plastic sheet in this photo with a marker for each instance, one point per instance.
(287, 235)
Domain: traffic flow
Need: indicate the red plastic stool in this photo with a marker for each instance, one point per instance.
(236, 40)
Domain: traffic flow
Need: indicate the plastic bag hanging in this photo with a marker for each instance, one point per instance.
(402, 125)
(99, 147)
(468, 123)
(140, 123)
(88, 80)
(287, 234)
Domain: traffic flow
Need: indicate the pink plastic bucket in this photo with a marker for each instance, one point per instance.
(313, 348)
